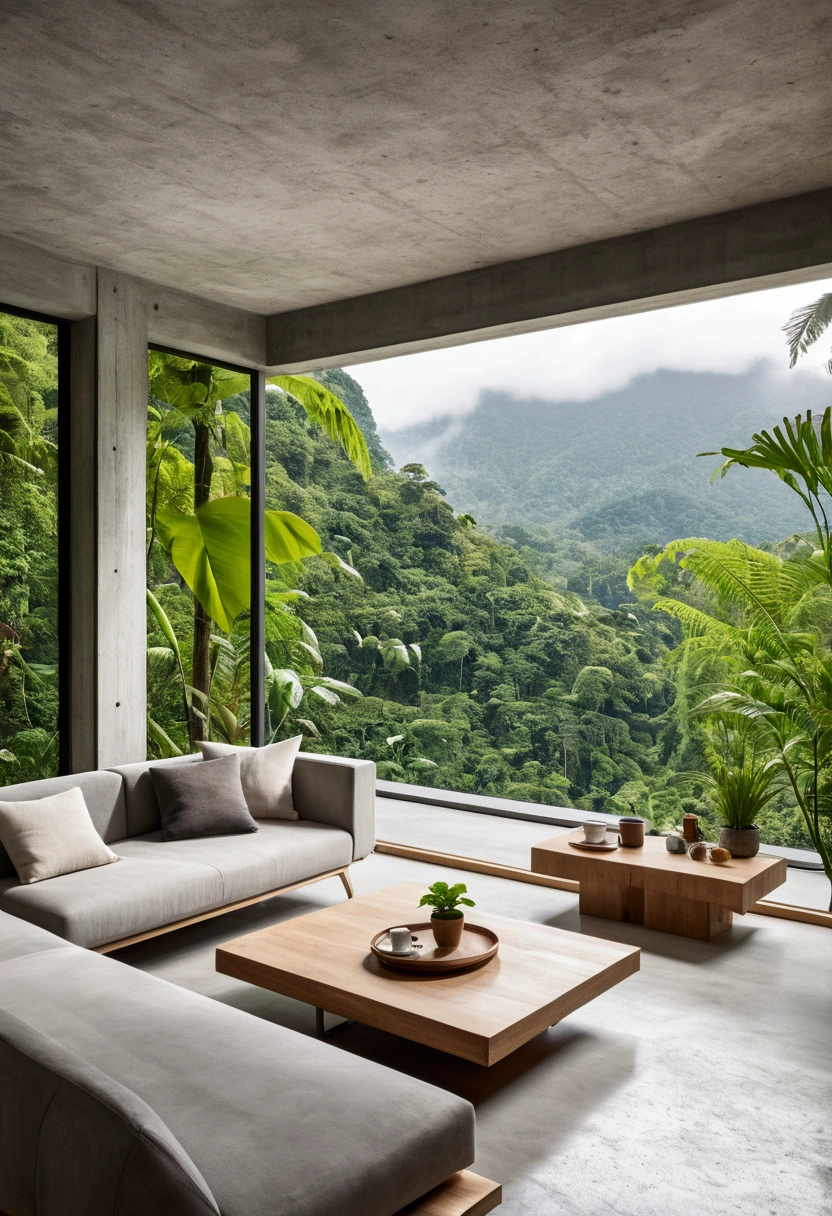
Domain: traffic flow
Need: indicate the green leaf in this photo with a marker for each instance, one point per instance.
(162, 738)
(211, 551)
(289, 538)
(163, 622)
(330, 413)
(338, 563)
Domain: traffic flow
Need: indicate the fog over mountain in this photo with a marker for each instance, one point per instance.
(622, 469)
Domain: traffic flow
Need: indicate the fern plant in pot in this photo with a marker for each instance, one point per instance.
(447, 919)
(741, 783)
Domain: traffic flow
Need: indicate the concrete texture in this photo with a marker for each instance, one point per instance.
(281, 156)
(699, 1087)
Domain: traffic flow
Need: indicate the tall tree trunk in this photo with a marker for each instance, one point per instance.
(201, 677)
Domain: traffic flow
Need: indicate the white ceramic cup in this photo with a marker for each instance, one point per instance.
(595, 832)
(400, 941)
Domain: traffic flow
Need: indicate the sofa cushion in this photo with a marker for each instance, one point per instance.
(18, 937)
(281, 853)
(266, 774)
(278, 1123)
(48, 836)
(73, 1141)
(141, 804)
(202, 799)
(103, 793)
(93, 907)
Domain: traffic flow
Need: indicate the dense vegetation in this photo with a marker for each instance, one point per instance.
(519, 665)
(520, 660)
(28, 549)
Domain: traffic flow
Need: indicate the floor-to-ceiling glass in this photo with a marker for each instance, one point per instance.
(30, 613)
(198, 559)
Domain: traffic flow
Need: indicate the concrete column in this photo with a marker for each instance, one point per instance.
(121, 418)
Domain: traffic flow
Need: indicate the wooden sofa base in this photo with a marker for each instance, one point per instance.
(463, 1194)
(343, 873)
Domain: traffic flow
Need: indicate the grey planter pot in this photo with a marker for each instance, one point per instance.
(740, 842)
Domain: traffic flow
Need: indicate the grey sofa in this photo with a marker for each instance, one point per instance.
(123, 1095)
(159, 884)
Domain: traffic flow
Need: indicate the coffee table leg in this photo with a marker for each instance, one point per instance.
(321, 1031)
(600, 897)
(685, 917)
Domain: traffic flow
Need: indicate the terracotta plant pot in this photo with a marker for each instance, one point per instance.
(447, 931)
(740, 842)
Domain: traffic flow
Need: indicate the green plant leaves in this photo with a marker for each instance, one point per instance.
(211, 551)
(330, 413)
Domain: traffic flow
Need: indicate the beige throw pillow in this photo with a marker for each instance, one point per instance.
(51, 836)
(266, 774)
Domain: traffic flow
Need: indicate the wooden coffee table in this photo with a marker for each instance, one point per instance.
(539, 976)
(660, 890)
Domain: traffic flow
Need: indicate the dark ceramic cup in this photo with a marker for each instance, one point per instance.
(631, 832)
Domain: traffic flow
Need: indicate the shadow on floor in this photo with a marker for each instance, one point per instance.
(668, 945)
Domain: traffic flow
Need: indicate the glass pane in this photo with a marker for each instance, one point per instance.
(511, 636)
(198, 567)
(28, 549)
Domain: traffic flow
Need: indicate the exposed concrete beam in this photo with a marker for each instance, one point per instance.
(39, 281)
(756, 247)
(33, 279)
(203, 327)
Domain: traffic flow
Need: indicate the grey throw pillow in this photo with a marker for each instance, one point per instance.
(52, 836)
(201, 799)
(266, 774)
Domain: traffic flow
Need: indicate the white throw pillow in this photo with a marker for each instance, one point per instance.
(266, 774)
(51, 836)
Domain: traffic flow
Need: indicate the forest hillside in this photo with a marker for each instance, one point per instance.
(620, 471)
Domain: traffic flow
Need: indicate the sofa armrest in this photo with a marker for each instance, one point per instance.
(338, 791)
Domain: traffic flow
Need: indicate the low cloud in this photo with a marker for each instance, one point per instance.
(581, 362)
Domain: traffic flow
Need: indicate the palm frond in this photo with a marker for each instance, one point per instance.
(329, 412)
(806, 325)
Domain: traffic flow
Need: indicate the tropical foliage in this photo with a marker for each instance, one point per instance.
(28, 549)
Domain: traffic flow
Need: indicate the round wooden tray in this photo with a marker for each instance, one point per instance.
(477, 947)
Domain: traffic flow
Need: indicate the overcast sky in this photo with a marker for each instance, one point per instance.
(580, 362)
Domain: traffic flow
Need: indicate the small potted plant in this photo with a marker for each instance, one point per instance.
(447, 919)
(740, 784)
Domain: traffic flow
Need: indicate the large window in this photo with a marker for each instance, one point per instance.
(32, 615)
(523, 584)
(198, 554)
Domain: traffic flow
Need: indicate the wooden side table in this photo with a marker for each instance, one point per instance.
(660, 890)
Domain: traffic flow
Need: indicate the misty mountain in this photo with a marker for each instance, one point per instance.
(621, 470)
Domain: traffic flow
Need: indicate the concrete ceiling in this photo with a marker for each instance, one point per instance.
(277, 156)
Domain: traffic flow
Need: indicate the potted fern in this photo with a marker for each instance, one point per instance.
(448, 918)
(741, 783)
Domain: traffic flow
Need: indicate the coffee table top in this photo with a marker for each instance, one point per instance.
(736, 885)
(540, 974)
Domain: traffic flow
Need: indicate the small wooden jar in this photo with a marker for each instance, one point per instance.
(690, 828)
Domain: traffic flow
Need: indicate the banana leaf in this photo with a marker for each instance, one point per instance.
(211, 551)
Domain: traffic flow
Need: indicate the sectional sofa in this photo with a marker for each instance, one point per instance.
(124, 1095)
(162, 885)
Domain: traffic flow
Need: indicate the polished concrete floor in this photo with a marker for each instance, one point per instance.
(509, 841)
(701, 1086)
